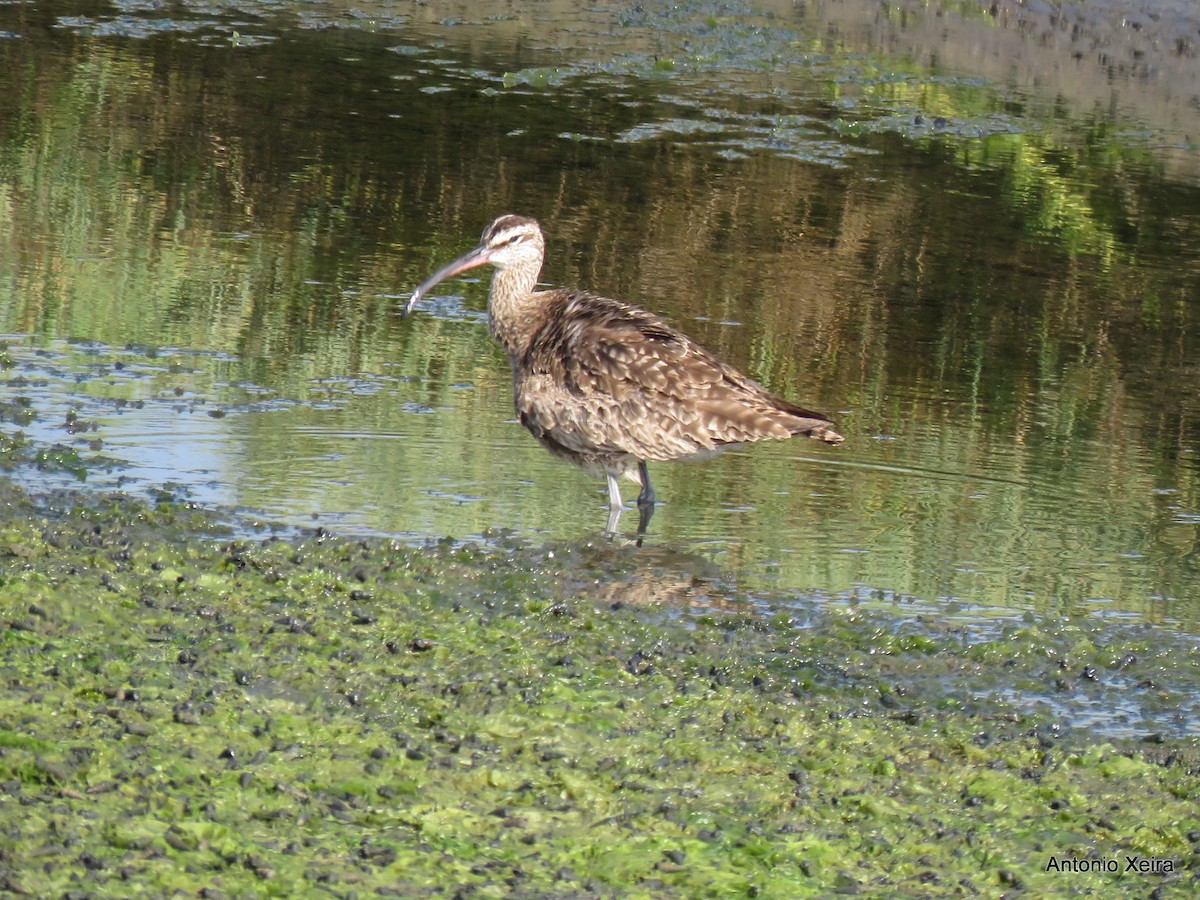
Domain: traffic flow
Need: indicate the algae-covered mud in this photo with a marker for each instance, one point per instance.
(189, 714)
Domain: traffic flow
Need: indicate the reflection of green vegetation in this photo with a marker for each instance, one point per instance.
(1042, 182)
(1007, 306)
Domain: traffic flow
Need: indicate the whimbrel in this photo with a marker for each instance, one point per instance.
(609, 386)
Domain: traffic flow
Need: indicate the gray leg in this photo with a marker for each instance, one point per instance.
(614, 491)
(614, 503)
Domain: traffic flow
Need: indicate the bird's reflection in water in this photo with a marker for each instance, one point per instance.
(627, 570)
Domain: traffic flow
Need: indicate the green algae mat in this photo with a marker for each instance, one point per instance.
(186, 713)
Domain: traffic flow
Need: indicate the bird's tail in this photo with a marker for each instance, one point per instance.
(822, 433)
(814, 424)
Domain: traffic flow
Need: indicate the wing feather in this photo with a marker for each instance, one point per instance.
(606, 377)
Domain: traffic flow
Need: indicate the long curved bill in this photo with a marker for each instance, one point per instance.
(476, 257)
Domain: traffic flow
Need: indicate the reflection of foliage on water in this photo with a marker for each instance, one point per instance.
(988, 302)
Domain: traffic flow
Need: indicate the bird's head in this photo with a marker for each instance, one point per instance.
(509, 242)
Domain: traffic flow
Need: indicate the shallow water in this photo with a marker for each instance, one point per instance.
(210, 222)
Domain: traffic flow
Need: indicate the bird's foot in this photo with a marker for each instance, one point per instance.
(645, 513)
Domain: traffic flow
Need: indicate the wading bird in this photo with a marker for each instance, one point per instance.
(609, 386)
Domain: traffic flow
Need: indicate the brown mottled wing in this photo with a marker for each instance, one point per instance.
(604, 377)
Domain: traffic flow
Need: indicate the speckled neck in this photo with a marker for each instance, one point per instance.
(512, 306)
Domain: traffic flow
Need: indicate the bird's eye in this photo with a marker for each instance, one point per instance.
(515, 239)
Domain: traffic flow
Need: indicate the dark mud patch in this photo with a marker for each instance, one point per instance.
(186, 711)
